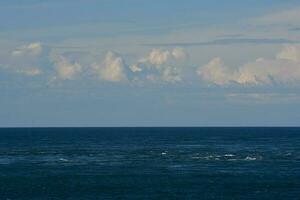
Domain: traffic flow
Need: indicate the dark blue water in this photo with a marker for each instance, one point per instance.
(150, 163)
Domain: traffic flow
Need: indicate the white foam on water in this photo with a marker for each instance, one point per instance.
(250, 158)
(63, 159)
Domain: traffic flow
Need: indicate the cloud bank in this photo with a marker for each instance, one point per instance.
(159, 65)
(283, 69)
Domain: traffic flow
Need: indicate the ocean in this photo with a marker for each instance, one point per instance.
(149, 163)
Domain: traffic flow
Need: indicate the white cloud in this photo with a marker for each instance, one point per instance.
(111, 69)
(157, 57)
(171, 74)
(290, 52)
(158, 66)
(264, 71)
(215, 72)
(166, 65)
(26, 60)
(284, 69)
(135, 68)
(33, 49)
(65, 70)
(179, 54)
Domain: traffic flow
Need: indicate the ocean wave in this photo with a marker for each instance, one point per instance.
(226, 157)
(250, 158)
(63, 160)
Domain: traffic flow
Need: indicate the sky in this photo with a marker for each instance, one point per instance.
(149, 63)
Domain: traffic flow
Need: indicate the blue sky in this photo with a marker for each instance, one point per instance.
(149, 63)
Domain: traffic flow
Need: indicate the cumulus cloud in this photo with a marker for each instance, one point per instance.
(265, 71)
(135, 68)
(159, 65)
(166, 65)
(283, 69)
(26, 60)
(290, 52)
(65, 70)
(216, 72)
(33, 49)
(157, 57)
(34, 59)
(111, 69)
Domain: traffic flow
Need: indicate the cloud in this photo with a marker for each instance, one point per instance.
(290, 52)
(283, 69)
(179, 54)
(65, 70)
(266, 71)
(33, 49)
(165, 65)
(111, 69)
(159, 65)
(216, 72)
(27, 59)
(171, 74)
(135, 68)
(34, 59)
(157, 57)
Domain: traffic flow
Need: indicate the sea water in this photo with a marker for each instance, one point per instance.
(150, 163)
